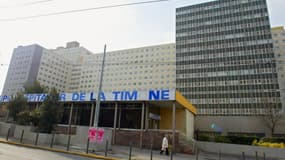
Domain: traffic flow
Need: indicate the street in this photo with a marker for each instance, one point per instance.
(10, 152)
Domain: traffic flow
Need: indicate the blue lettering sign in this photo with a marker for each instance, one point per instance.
(92, 97)
(62, 97)
(43, 97)
(102, 96)
(165, 95)
(75, 96)
(5, 98)
(116, 95)
(153, 95)
(129, 96)
(82, 96)
(38, 97)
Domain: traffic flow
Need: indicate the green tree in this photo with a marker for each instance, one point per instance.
(36, 87)
(16, 105)
(272, 117)
(50, 112)
(24, 117)
(35, 117)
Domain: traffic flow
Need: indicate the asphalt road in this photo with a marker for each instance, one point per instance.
(11, 152)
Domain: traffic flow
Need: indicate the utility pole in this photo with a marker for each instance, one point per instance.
(97, 109)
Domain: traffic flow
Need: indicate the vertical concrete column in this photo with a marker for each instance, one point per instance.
(76, 115)
(91, 114)
(115, 123)
(142, 122)
(173, 126)
(70, 119)
(146, 116)
(7, 116)
(120, 115)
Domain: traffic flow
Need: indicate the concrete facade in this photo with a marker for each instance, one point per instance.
(225, 58)
(238, 125)
(78, 140)
(278, 35)
(75, 69)
(23, 68)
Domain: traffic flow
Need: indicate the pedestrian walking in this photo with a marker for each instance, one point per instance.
(164, 146)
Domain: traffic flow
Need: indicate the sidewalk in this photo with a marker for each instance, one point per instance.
(144, 154)
(117, 152)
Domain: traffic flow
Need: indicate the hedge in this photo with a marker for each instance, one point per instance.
(246, 140)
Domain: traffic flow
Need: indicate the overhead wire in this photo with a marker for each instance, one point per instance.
(80, 10)
(26, 4)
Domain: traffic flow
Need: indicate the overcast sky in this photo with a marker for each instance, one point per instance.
(119, 28)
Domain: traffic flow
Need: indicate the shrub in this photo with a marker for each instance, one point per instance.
(255, 142)
(203, 137)
(24, 117)
(247, 140)
(273, 139)
(16, 105)
(35, 117)
(222, 139)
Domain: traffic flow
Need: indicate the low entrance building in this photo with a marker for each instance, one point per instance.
(140, 117)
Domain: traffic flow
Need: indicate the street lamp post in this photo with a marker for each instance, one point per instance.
(97, 109)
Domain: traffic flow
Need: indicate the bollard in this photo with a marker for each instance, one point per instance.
(264, 156)
(87, 146)
(21, 140)
(52, 139)
(130, 154)
(151, 151)
(243, 156)
(171, 155)
(106, 148)
(197, 154)
(37, 137)
(220, 155)
(7, 137)
(68, 143)
(256, 155)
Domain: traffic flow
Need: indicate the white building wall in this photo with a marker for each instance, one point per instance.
(132, 69)
(77, 69)
(54, 71)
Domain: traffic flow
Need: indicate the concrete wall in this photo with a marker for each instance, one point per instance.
(234, 149)
(166, 119)
(4, 128)
(189, 124)
(240, 124)
(149, 136)
(78, 141)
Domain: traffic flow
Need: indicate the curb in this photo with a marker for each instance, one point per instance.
(59, 150)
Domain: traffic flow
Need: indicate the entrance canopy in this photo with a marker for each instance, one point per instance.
(157, 97)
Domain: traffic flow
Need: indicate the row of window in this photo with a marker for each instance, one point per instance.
(228, 83)
(237, 111)
(235, 100)
(223, 37)
(234, 59)
(228, 78)
(234, 95)
(209, 7)
(199, 47)
(227, 73)
(227, 89)
(210, 55)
